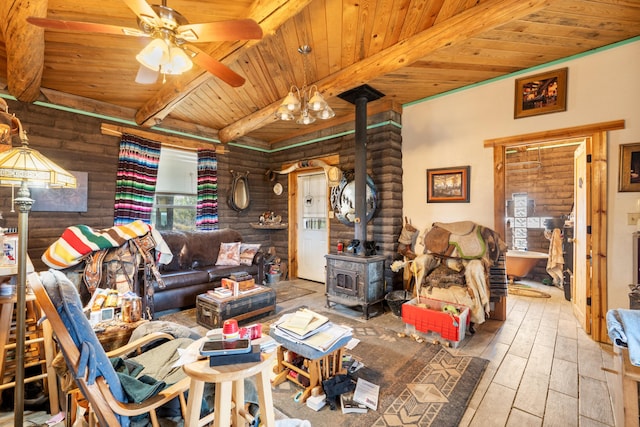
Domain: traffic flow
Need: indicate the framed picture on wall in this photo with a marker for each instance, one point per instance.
(62, 199)
(448, 185)
(629, 168)
(542, 93)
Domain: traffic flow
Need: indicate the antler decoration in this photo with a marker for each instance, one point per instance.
(333, 173)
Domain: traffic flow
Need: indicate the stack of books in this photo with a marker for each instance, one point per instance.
(310, 328)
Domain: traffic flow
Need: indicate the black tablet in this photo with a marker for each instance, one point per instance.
(225, 347)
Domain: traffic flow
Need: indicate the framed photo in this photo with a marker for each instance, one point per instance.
(62, 199)
(541, 94)
(448, 185)
(9, 255)
(629, 167)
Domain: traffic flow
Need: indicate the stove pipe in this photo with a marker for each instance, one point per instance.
(360, 96)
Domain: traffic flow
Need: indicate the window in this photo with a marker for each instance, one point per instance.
(520, 210)
(175, 201)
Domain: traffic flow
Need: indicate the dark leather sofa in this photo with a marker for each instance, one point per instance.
(193, 271)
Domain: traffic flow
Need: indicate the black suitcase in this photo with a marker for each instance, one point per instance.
(212, 310)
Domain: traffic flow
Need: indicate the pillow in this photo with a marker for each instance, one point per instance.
(247, 252)
(229, 254)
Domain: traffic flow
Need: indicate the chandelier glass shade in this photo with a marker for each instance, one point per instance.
(305, 103)
(163, 56)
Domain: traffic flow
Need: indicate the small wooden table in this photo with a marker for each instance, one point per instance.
(319, 365)
(229, 383)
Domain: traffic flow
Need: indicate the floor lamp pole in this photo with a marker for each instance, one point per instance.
(24, 203)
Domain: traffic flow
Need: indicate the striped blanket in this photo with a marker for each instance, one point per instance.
(79, 241)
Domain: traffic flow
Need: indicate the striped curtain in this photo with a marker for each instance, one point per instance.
(207, 208)
(136, 179)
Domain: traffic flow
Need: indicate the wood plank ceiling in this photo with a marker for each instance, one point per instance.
(407, 49)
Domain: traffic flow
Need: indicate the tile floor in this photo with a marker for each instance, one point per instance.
(543, 371)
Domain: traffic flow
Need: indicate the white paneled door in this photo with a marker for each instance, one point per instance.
(312, 226)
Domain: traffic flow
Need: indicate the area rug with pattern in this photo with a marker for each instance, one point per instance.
(421, 384)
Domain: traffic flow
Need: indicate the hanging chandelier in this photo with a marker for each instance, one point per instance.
(305, 102)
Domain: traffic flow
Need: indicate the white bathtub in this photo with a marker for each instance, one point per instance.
(520, 263)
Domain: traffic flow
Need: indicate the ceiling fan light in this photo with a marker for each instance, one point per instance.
(146, 76)
(154, 55)
(283, 113)
(292, 102)
(327, 113)
(317, 102)
(179, 62)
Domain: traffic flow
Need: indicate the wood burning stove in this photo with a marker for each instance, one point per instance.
(355, 280)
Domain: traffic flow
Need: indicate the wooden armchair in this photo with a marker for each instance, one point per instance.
(89, 363)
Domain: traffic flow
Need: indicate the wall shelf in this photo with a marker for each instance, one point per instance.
(259, 226)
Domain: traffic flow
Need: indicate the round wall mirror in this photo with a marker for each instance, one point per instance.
(343, 199)
(239, 197)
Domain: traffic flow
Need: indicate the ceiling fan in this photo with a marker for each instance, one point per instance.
(171, 51)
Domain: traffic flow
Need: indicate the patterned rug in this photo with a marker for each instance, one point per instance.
(421, 384)
(285, 291)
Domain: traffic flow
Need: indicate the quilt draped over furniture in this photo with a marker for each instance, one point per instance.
(456, 263)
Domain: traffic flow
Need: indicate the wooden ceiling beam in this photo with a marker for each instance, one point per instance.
(270, 14)
(460, 27)
(24, 46)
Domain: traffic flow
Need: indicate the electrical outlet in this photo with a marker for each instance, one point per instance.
(632, 218)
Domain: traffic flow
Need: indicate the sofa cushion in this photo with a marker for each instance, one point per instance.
(247, 252)
(203, 246)
(229, 254)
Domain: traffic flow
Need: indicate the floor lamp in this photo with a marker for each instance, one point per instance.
(26, 167)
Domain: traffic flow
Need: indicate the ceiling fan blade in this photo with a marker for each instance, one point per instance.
(240, 29)
(87, 27)
(216, 68)
(144, 11)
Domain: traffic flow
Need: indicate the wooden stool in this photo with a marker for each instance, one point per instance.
(317, 370)
(39, 347)
(229, 397)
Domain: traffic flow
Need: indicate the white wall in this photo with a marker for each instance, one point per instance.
(450, 131)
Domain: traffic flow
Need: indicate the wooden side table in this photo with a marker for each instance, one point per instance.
(319, 365)
(229, 394)
(625, 397)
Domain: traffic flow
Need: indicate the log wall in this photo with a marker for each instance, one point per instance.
(76, 143)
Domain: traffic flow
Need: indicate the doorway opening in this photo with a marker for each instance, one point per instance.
(595, 136)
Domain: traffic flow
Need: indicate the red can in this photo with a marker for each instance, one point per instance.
(340, 247)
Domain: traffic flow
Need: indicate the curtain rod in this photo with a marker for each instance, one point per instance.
(165, 140)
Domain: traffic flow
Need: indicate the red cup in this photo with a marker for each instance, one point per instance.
(230, 329)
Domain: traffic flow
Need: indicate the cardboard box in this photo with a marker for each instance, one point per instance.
(237, 286)
(427, 316)
(316, 402)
